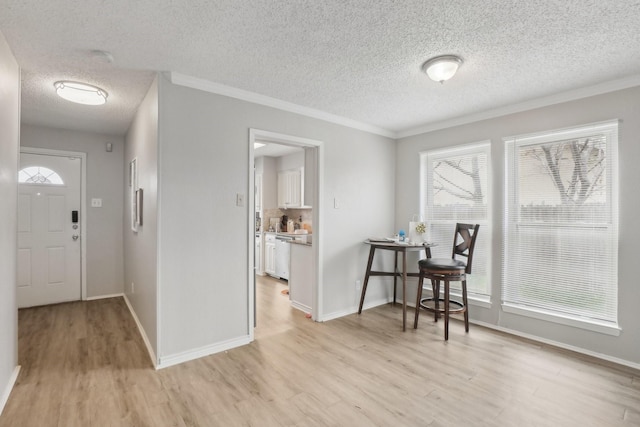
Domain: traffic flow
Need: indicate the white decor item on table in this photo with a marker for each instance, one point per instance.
(417, 229)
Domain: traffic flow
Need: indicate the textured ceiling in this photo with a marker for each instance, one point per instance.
(358, 59)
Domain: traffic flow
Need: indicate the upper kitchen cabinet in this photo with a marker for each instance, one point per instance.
(288, 180)
(291, 188)
(292, 180)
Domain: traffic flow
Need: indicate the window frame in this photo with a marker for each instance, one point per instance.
(427, 158)
(51, 173)
(512, 218)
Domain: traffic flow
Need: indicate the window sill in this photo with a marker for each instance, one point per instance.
(590, 325)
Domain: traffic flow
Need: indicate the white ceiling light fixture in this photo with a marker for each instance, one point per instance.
(442, 68)
(80, 93)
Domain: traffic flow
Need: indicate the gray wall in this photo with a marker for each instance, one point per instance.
(9, 143)
(140, 249)
(203, 264)
(105, 176)
(624, 105)
(269, 184)
(291, 161)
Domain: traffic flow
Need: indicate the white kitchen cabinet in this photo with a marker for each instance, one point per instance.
(291, 188)
(270, 254)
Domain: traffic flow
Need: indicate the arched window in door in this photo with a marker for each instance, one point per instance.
(39, 175)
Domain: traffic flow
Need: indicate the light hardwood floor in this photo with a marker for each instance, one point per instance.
(84, 364)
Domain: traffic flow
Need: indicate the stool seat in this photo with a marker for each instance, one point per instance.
(443, 265)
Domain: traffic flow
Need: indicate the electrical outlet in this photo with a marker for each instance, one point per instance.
(96, 203)
(358, 285)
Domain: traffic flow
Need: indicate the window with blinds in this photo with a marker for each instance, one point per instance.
(455, 188)
(561, 225)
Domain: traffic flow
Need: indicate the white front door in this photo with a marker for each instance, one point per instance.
(49, 232)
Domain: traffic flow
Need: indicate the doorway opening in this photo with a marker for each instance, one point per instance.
(285, 229)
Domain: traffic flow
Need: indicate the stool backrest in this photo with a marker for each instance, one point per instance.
(464, 241)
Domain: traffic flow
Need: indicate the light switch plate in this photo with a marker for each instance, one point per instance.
(239, 199)
(96, 203)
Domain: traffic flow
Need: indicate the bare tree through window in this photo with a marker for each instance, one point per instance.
(459, 178)
(575, 170)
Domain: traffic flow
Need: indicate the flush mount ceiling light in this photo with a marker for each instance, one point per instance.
(442, 68)
(80, 93)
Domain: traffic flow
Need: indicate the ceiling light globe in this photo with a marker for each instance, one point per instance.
(80, 93)
(442, 68)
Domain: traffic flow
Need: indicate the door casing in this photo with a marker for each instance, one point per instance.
(257, 134)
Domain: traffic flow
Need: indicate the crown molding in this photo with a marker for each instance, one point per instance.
(546, 101)
(558, 98)
(244, 95)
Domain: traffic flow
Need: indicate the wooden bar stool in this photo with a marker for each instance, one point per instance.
(448, 270)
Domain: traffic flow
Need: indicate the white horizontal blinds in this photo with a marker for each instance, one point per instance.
(561, 235)
(455, 189)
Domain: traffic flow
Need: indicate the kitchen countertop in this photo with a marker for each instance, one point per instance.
(302, 240)
(298, 242)
(281, 233)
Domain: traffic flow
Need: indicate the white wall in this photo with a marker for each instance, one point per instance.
(203, 260)
(269, 184)
(105, 176)
(140, 249)
(624, 105)
(9, 143)
(291, 161)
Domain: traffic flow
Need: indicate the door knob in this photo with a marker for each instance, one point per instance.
(75, 237)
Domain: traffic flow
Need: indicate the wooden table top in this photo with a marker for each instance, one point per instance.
(394, 244)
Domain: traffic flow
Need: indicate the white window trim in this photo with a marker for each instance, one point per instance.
(604, 327)
(486, 224)
(540, 314)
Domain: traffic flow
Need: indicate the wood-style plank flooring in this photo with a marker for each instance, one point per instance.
(84, 364)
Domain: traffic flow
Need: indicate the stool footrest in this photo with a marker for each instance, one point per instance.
(430, 304)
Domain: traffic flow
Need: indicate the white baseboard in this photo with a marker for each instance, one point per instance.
(352, 310)
(7, 391)
(301, 307)
(186, 356)
(564, 346)
(147, 343)
(104, 297)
